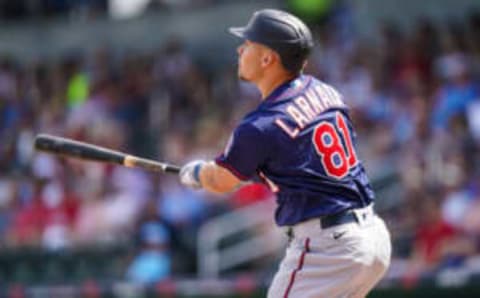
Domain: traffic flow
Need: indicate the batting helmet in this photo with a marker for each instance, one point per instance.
(282, 32)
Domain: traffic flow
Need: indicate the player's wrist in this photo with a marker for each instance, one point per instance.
(196, 172)
(190, 173)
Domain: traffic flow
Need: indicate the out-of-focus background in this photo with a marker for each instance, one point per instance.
(157, 78)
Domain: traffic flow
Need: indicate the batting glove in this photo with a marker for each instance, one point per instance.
(190, 174)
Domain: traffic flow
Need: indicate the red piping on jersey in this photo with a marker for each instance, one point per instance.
(231, 169)
(299, 267)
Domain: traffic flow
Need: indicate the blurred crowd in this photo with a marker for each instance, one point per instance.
(414, 98)
(86, 10)
(158, 105)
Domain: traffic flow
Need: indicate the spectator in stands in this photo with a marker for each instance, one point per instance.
(250, 194)
(8, 200)
(458, 89)
(437, 244)
(29, 221)
(152, 263)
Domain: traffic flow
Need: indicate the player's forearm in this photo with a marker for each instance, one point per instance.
(217, 179)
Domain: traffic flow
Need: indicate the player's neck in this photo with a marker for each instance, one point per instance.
(271, 82)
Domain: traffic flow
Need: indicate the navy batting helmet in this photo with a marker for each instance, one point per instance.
(282, 32)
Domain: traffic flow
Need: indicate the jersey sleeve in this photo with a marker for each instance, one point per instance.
(245, 152)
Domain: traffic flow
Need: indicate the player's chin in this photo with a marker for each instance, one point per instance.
(240, 73)
(242, 77)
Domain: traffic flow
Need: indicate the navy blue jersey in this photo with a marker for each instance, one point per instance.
(300, 141)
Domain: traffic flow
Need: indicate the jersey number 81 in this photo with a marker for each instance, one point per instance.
(335, 149)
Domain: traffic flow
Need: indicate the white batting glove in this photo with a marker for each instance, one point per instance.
(190, 174)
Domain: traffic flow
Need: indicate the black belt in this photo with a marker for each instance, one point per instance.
(328, 221)
(331, 220)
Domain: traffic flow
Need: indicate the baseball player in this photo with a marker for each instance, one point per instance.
(300, 141)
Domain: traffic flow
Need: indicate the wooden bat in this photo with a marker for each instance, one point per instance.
(71, 148)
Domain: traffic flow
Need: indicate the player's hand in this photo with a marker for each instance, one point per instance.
(190, 174)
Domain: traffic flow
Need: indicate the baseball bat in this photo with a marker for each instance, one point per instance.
(71, 148)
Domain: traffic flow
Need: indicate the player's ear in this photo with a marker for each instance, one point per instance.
(267, 58)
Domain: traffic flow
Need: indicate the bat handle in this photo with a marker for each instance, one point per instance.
(151, 165)
(172, 169)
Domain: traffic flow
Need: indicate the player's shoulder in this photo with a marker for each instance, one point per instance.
(325, 88)
(259, 125)
(252, 123)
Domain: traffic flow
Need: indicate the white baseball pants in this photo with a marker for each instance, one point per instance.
(344, 261)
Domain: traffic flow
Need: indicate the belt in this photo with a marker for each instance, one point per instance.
(341, 218)
(358, 215)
